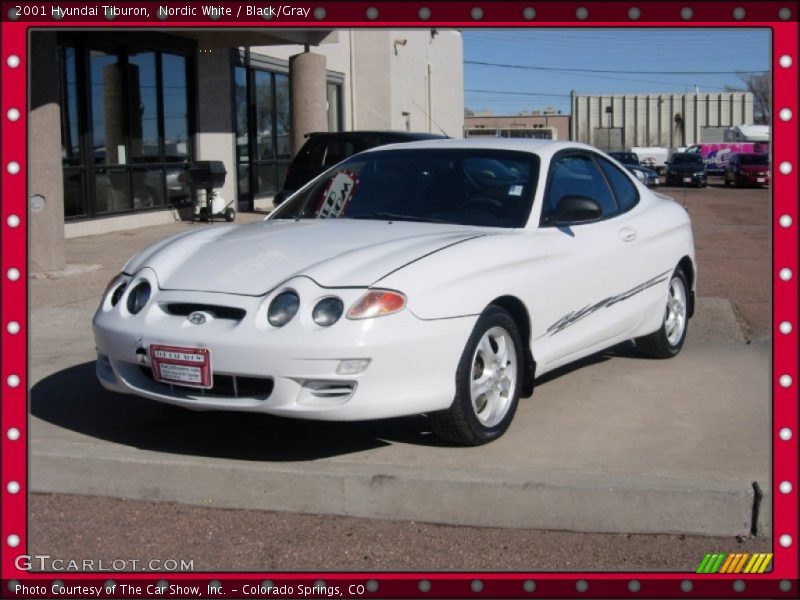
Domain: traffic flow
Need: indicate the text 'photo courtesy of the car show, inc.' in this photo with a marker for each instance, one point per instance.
(398, 299)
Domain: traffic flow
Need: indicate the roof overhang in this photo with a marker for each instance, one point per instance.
(235, 38)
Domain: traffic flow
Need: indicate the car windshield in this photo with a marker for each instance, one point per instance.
(626, 158)
(492, 188)
(753, 159)
(678, 159)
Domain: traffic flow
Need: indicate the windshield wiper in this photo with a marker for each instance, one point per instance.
(387, 216)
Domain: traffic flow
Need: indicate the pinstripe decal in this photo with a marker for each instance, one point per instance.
(577, 315)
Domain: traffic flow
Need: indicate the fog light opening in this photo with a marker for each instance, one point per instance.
(352, 366)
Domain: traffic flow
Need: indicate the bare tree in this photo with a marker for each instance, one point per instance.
(760, 85)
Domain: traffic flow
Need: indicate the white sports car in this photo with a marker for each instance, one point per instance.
(437, 277)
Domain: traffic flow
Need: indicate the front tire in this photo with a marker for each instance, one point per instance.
(668, 340)
(489, 379)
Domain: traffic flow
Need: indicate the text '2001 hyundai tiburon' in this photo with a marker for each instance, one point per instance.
(438, 277)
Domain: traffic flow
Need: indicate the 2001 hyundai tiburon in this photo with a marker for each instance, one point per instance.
(437, 277)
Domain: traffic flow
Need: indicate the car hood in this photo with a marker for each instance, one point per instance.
(255, 258)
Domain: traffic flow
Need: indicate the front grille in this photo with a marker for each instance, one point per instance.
(184, 309)
(225, 386)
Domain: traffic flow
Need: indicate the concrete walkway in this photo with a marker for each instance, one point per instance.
(616, 443)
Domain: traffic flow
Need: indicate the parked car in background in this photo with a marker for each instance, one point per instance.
(716, 155)
(630, 161)
(747, 169)
(325, 149)
(685, 168)
(438, 277)
(653, 157)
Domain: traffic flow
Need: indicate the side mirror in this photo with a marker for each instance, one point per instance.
(576, 209)
(281, 197)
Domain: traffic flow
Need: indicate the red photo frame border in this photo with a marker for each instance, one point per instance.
(782, 581)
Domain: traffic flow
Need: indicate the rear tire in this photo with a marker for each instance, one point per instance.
(668, 340)
(489, 378)
(230, 215)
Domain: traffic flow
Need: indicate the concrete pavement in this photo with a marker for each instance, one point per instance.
(615, 443)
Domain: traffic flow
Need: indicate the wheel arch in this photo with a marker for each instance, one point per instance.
(687, 266)
(519, 312)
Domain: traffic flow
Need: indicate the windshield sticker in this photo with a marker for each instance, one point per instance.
(337, 195)
(515, 190)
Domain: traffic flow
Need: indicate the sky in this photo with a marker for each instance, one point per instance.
(692, 54)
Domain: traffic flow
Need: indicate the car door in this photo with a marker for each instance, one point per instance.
(593, 267)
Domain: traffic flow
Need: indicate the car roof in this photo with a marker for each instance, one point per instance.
(541, 147)
(412, 135)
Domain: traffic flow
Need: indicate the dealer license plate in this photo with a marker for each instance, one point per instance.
(656, 181)
(189, 367)
(687, 180)
(761, 180)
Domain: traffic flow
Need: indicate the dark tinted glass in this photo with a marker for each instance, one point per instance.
(753, 159)
(679, 159)
(578, 176)
(623, 187)
(70, 137)
(471, 187)
(143, 107)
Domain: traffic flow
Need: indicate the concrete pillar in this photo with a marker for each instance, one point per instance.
(45, 178)
(309, 98)
(215, 139)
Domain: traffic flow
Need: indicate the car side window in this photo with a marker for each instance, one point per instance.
(623, 187)
(577, 175)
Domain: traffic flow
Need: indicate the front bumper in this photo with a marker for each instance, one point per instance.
(751, 178)
(411, 371)
(673, 178)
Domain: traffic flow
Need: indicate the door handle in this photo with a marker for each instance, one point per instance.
(627, 234)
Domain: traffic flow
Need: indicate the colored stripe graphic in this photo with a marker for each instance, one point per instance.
(739, 562)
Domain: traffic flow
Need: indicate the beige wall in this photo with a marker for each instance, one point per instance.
(380, 84)
(649, 119)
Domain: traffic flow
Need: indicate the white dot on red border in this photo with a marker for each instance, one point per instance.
(13, 114)
(785, 274)
(785, 487)
(785, 434)
(13, 434)
(13, 167)
(785, 221)
(785, 114)
(12, 380)
(785, 167)
(13, 540)
(785, 380)
(785, 328)
(12, 221)
(785, 540)
(13, 61)
(13, 274)
(785, 61)
(12, 487)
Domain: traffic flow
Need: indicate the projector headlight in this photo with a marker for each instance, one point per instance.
(327, 311)
(138, 297)
(283, 308)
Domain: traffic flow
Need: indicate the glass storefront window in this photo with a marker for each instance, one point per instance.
(263, 91)
(176, 108)
(143, 107)
(70, 136)
(126, 137)
(334, 106)
(107, 108)
(283, 117)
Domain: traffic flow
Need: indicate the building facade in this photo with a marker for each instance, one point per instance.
(622, 121)
(546, 124)
(117, 118)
